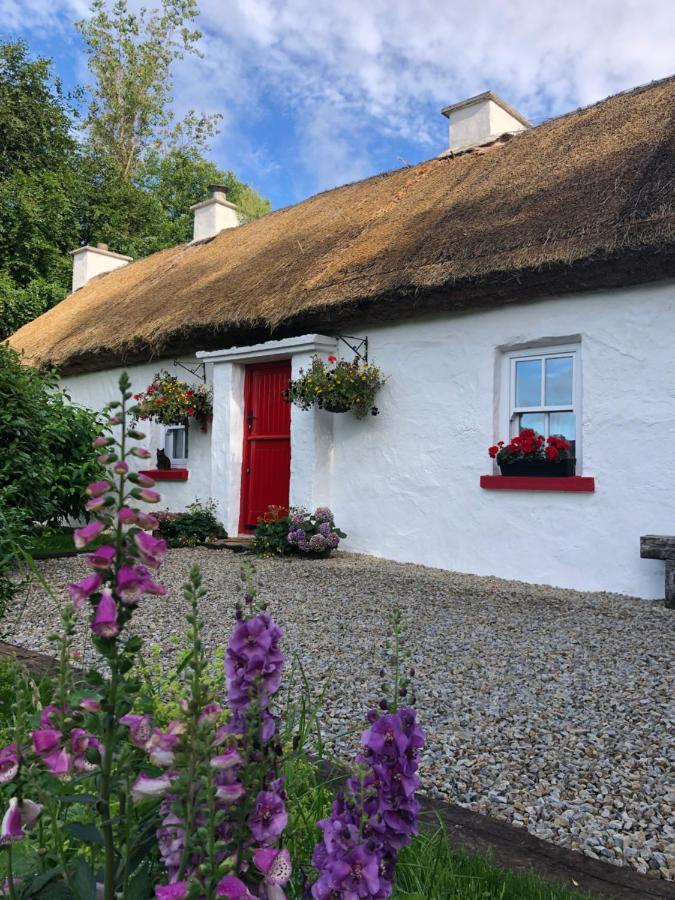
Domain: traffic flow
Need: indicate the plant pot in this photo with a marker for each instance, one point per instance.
(337, 407)
(543, 468)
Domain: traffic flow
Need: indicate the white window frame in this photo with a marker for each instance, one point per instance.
(178, 462)
(509, 410)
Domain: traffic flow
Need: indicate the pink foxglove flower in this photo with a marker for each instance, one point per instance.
(127, 516)
(145, 480)
(231, 888)
(152, 550)
(81, 743)
(46, 739)
(149, 788)
(229, 793)
(80, 591)
(226, 760)
(179, 890)
(276, 867)
(10, 829)
(140, 729)
(131, 581)
(97, 488)
(90, 704)
(85, 535)
(160, 748)
(147, 521)
(120, 467)
(141, 452)
(9, 764)
(149, 496)
(103, 557)
(210, 714)
(48, 714)
(96, 504)
(105, 620)
(101, 441)
(58, 763)
(30, 813)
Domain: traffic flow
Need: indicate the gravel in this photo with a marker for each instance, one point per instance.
(546, 708)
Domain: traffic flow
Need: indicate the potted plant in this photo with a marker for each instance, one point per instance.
(297, 531)
(170, 401)
(530, 453)
(337, 386)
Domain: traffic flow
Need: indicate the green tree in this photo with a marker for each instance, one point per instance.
(131, 56)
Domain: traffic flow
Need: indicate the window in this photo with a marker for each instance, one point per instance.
(176, 444)
(543, 392)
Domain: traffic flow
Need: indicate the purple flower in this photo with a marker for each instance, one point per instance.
(149, 788)
(18, 818)
(127, 515)
(48, 713)
(298, 518)
(274, 864)
(318, 543)
(105, 619)
(103, 557)
(269, 817)
(253, 666)
(9, 764)
(141, 452)
(46, 739)
(324, 529)
(90, 704)
(232, 889)
(96, 504)
(227, 760)
(179, 890)
(171, 841)
(151, 550)
(120, 467)
(323, 514)
(229, 793)
(149, 496)
(160, 748)
(85, 535)
(81, 742)
(58, 763)
(97, 488)
(147, 521)
(80, 591)
(133, 582)
(140, 729)
(145, 480)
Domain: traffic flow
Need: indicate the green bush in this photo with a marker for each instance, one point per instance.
(280, 532)
(271, 533)
(197, 525)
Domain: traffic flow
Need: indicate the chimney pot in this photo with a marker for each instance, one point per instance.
(100, 246)
(214, 214)
(91, 261)
(481, 120)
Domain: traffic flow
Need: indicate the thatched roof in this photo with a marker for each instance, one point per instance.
(583, 201)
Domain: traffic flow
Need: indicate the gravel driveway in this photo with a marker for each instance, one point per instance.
(547, 708)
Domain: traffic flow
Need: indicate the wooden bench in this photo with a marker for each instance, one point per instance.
(659, 546)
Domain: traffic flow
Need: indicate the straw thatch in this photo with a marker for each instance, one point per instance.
(583, 201)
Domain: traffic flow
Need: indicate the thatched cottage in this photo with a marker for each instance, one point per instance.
(518, 249)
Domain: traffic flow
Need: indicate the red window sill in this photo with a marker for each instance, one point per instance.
(167, 474)
(574, 483)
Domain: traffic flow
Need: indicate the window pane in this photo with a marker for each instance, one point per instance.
(559, 381)
(532, 420)
(176, 443)
(563, 423)
(528, 382)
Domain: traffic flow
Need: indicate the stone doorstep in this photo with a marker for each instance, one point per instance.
(514, 849)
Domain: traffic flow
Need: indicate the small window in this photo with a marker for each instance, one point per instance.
(176, 444)
(543, 392)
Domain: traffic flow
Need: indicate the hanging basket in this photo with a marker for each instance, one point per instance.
(337, 407)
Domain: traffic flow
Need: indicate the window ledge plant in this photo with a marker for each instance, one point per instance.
(337, 386)
(170, 401)
(530, 453)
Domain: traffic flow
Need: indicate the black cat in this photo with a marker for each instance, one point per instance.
(163, 461)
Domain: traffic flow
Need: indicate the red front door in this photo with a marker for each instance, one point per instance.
(266, 468)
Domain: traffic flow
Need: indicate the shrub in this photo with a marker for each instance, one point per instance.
(337, 386)
(298, 531)
(116, 803)
(197, 525)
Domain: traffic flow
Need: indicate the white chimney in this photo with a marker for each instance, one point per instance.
(91, 261)
(481, 120)
(213, 215)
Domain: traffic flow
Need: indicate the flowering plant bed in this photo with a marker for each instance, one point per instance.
(281, 532)
(530, 453)
(337, 386)
(170, 401)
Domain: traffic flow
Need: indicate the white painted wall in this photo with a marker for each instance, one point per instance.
(96, 389)
(405, 484)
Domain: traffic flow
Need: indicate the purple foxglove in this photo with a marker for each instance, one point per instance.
(103, 458)
(96, 504)
(269, 817)
(209, 715)
(231, 888)
(105, 619)
(149, 788)
(90, 704)
(140, 729)
(97, 488)
(147, 521)
(152, 550)
(141, 452)
(103, 557)
(145, 480)
(229, 793)
(120, 467)
(149, 496)
(30, 813)
(226, 760)
(46, 739)
(274, 864)
(10, 829)
(127, 516)
(85, 535)
(179, 890)
(9, 764)
(80, 591)
(101, 441)
(131, 582)
(58, 763)
(160, 747)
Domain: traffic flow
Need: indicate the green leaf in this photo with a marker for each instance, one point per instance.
(83, 881)
(84, 831)
(36, 884)
(139, 884)
(79, 798)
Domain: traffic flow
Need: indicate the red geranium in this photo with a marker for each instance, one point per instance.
(530, 445)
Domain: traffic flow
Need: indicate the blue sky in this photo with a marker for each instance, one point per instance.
(315, 93)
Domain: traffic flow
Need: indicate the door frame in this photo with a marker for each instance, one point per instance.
(246, 442)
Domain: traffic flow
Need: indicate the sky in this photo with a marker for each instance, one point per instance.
(315, 94)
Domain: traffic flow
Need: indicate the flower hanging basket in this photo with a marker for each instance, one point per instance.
(170, 401)
(337, 386)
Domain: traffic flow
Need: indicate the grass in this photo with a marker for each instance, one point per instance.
(57, 540)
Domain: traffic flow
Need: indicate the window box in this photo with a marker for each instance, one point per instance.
(575, 484)
(167, 474)
(542, 468)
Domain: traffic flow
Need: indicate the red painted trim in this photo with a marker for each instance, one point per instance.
(167, 474)
(574, 483)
